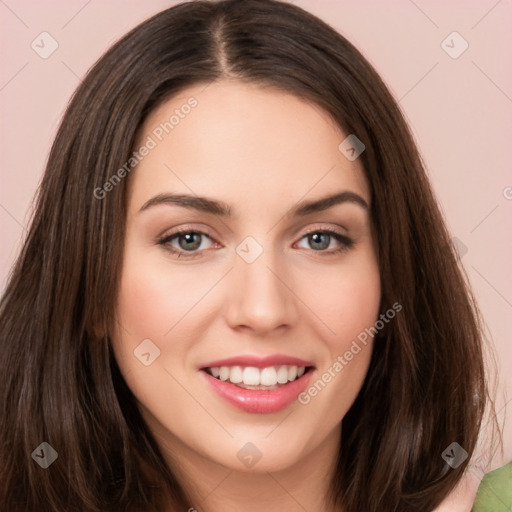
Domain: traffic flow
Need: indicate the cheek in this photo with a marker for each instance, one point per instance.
(359, 305)
(347, 300)
(148, 307)
(163, 304)
(154, 297)
(154, 303)
(145, 303)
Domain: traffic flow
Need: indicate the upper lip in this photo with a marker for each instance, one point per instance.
(258, 362)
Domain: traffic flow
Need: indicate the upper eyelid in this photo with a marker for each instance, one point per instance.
(181, 231)
(323, 230)
(167, 237)
(203, 231)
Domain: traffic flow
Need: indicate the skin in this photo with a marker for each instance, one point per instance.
(261, 151)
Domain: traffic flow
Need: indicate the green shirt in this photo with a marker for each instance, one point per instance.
(495, 491)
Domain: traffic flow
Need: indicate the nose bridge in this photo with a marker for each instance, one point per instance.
(259, 298)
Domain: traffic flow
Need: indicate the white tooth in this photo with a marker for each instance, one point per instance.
(282, 375)
(292, 373)
(300, 371)
(268, 376)
(235, 375)
(215, 371)
(224, 373)
(251, 376)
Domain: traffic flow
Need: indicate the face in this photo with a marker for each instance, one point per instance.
(243, 288)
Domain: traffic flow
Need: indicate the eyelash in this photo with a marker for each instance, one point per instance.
(346, 243)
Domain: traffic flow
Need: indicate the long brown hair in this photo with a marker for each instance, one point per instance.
(426, 386)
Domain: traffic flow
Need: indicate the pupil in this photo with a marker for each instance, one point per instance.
(316, 240)
(191, 241)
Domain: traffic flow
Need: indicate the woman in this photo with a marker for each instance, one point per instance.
(237, 290)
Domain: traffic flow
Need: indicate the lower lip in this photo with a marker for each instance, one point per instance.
(259, 401)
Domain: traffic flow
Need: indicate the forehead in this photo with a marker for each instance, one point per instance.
(242, 142)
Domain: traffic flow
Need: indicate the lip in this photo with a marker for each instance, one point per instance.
(259, 401)
(258, 362)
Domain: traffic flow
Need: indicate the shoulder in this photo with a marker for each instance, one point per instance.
(495, 491)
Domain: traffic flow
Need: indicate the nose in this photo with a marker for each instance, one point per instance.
(260, 296)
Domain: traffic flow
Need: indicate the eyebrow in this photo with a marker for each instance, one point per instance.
(224, 210)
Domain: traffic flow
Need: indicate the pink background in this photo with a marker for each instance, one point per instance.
(460, 111)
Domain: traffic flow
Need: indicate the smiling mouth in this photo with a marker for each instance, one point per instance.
(250, 377)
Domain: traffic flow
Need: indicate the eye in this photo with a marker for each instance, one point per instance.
(326, 241)
(186, 243)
